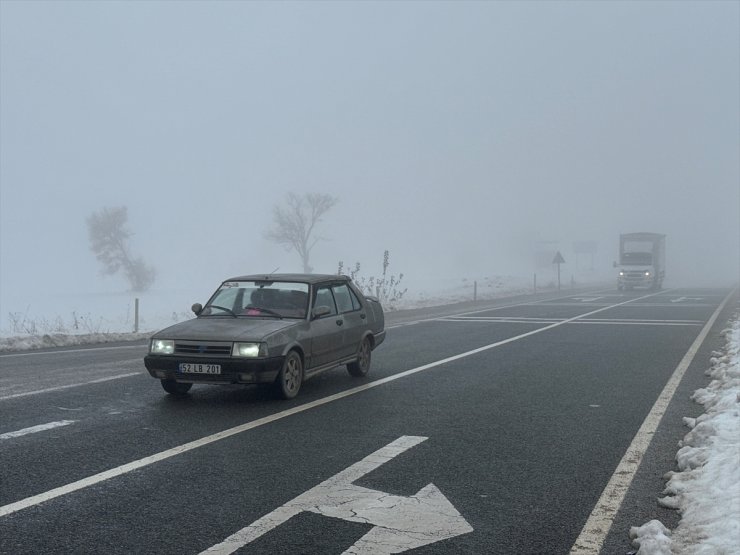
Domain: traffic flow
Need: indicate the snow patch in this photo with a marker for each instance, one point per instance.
(653, 538)
(706, 487)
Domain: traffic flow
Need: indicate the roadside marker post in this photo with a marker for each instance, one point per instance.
(558, 260)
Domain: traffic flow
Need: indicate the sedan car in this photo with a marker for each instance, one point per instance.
(278, 329)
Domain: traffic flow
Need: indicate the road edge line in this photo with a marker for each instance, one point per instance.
(599, 523)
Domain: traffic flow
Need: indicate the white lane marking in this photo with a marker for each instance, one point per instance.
(535, 320)
(681, 299)
(399, 523)
(157, 457)
(638, 305)
(503, 320)
(61, 387)
(594, 532)
(64, 351)
(487, 309)
(603, 321)
(672, 321)
(36, 429)
(638, 323)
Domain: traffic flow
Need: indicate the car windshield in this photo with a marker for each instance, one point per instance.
(266, 299)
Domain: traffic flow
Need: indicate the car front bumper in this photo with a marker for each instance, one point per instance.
(239, 371)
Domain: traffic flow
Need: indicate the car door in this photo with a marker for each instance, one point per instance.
(353, 314)
(327, 331)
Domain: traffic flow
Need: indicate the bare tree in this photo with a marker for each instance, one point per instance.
(295, 222)
(109, 241)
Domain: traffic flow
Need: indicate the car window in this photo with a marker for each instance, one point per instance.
(356, 304)
(226, 298)
(343, 296)
(325, 298)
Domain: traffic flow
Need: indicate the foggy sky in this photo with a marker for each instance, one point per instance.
(457, 135)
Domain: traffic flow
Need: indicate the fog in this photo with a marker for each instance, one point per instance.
(459, 136)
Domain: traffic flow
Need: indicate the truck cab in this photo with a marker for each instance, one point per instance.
(641, 261)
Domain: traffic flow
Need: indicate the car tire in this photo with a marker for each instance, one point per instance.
(361, 366)
(176, 388)
(290, 377)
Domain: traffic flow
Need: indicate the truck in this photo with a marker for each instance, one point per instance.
(641, 260)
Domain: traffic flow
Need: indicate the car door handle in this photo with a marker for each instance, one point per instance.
(363, 316)
(340, 322)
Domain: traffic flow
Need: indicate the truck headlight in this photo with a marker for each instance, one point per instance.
(162, 347)
(249, 350)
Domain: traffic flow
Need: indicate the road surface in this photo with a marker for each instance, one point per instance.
(489, 427)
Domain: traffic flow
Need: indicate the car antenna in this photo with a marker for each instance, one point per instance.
(275, 270)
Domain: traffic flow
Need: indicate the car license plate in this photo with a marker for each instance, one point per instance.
(191, 368)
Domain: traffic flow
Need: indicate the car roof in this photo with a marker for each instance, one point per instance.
(304, 278)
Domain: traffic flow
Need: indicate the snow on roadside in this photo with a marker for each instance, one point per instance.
(706, 487)
(31, 342)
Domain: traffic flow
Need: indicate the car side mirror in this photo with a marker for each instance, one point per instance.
(197, 308)
(320, 311)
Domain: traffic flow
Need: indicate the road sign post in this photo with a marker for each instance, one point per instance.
(558, 260)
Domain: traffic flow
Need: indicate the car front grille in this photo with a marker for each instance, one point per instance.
(201, 348)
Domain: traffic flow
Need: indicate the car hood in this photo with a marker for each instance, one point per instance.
(225, 329)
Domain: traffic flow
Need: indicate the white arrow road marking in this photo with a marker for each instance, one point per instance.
(400, 523)
(35, 429)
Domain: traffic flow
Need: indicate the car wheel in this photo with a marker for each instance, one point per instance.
(176, 388)
(361, 366)
(290, 378)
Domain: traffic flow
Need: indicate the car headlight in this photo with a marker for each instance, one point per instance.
(621, 273)
(249, 350)
(162, 347)
(647, 274)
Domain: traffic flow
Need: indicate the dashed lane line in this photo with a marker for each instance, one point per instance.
(36, 429)
(68, 386)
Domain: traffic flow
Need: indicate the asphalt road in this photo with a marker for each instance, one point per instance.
(481, 428)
